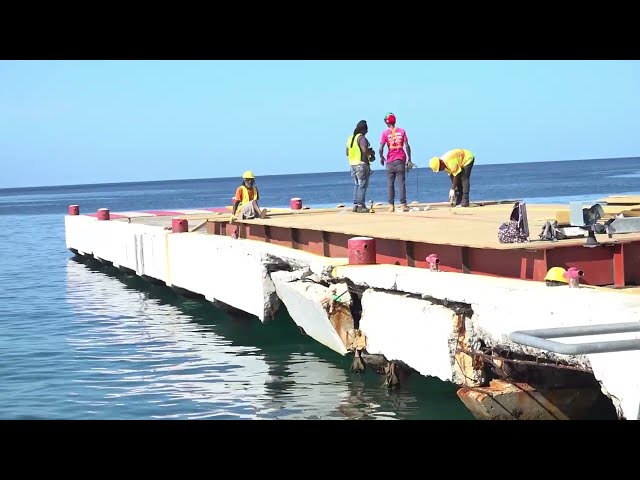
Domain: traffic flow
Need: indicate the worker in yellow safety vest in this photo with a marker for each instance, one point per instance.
(245, 201)
(360, 155)
(458, 164)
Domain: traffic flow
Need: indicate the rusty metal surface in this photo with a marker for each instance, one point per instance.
(342, 322)
(502, 400)
(497, 361)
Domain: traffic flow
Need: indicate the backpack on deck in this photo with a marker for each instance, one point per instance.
(516, 230)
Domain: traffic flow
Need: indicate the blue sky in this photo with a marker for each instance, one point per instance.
(71, 122)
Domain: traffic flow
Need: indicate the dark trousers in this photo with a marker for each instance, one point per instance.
(462, 194)
(396, 169)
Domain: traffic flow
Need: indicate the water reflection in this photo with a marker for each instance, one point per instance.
(148, 353)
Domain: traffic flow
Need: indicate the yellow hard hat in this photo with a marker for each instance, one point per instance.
(248, 174)
(556, 274)
(434, 164)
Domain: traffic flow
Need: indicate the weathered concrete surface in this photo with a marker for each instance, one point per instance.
(141, 248)
(502, 306)
(225, 271)
(235, 272)
(410, 330)
(304, 302)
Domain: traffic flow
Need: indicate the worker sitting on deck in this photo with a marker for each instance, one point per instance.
(556, 276)
(458, 164)
(245, 202)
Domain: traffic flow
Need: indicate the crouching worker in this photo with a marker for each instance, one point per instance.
(245, 202)
(458, 164)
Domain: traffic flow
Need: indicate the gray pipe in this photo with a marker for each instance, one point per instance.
(538, 338)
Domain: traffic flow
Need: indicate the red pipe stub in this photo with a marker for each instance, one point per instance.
(74, 210)
(573, 272)
(179, 225)
(296, 204)
(362, 251)
(433, 261)
(433, 258)
(573, 275)
(103, 214)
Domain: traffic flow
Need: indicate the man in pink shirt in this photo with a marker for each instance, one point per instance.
(395, 139)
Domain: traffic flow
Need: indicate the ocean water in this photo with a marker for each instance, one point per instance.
(79, 342)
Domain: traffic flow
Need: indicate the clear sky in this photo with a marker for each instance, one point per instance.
(71, 122)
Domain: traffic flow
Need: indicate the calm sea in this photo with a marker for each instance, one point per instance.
(81, 343)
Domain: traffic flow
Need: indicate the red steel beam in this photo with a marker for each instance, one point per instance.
(608, 264)
(631, 262)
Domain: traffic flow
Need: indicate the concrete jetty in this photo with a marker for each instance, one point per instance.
(435, 294)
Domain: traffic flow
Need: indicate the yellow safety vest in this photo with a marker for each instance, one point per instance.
(245, 195)
(456, 160)
(355, 154)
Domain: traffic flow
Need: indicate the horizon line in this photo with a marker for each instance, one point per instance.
(280, 175)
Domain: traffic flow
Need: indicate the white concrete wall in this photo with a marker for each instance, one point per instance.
(79, 232)
(221, 269)
(141, 248)
(502, 306)
(408, 329)
(304, 304)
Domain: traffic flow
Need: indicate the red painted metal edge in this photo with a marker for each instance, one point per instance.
(603, 265)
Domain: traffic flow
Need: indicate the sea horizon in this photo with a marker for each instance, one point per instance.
(376, 163)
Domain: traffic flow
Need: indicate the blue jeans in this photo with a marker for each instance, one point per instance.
(396, 169)
(360, 174)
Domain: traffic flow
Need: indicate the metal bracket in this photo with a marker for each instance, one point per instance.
(623, 225)
(538, 338)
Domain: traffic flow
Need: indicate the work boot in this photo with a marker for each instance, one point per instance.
(392, 208)
(403, 207)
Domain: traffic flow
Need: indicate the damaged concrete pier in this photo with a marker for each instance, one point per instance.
(435, 294)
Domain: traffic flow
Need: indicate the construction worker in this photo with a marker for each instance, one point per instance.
(458, 164)
(556, 276)
(359, 154)
(245, 201)
(397, 161)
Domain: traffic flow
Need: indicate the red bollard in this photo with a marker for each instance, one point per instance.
(362, 251)
(433, 262)
(74, 210)
(179, 225)
(296, 204)
(103, 214)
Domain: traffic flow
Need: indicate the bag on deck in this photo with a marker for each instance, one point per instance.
(516, 230)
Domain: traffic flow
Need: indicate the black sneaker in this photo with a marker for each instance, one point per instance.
(361, 209)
